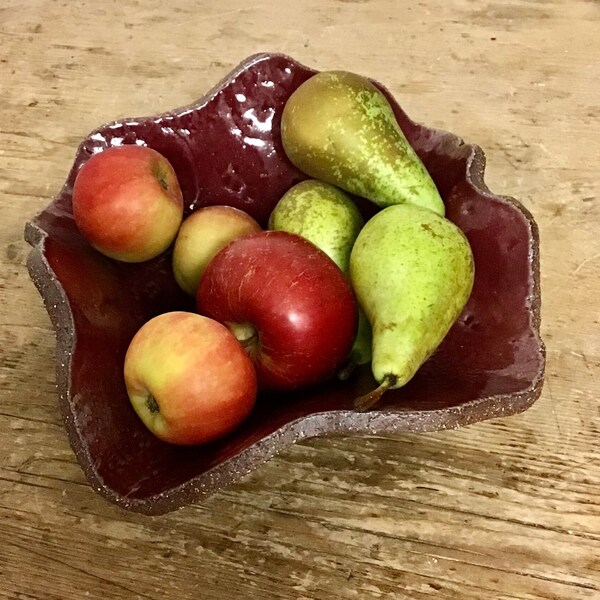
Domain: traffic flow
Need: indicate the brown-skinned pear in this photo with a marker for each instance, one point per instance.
(339, 128)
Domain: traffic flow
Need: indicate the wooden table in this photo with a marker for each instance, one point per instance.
(503, 509)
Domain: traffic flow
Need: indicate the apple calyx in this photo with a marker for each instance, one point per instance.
(148, 409)
(152, 404)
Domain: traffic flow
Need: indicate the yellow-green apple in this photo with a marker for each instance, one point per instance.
(188, 378)
(286, 301)
(127, 202)
(201, 236)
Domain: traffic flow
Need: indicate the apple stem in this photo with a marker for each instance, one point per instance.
(367, 401)
(161, 175)
(245, 333)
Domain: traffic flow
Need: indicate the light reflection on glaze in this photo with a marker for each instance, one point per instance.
(254, 142)
(265, 125)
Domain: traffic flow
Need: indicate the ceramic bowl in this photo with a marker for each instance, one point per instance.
(226, 149)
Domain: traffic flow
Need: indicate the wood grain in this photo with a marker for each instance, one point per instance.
(502, 510)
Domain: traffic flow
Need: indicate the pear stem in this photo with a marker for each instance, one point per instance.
(367, 401)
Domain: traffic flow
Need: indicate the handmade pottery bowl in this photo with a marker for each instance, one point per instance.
(226, 149)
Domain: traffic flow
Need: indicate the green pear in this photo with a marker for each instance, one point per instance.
(327, 217)
(322, 214)
(412, 272)
(361, 352)
(339, 128)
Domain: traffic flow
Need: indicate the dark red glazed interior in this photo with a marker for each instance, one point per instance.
(226, 149)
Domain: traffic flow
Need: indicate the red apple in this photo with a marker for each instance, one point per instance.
(188, 378)
(127, 202)
(286, 301)
(201, 236)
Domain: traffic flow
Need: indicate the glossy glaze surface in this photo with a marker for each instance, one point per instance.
(226, 149)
